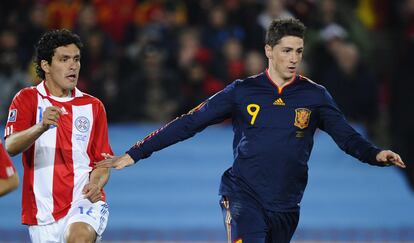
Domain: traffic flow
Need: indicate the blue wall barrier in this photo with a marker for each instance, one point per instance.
(173, 195)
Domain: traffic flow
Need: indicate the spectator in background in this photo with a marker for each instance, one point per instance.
(248, 14)
(193, 61)
(275, 9)
(36, 26)
(114, 16)
(254, 63)
(63, 13)
(231, 64)
(12, 77)
(218, 30)
(350, 82)
(153, 90)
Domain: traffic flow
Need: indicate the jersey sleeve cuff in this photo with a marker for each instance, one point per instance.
(373, 157)
(135, 154)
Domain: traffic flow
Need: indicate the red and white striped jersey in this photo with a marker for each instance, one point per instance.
(58, 164)
(6, 165)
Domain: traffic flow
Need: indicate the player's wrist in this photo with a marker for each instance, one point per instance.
(43, 127)
(133, 154)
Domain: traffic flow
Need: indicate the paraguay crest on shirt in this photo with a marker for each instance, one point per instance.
(302, 117)
(82, 124)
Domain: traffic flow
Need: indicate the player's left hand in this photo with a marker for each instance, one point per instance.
(388, 157)
(92, 192)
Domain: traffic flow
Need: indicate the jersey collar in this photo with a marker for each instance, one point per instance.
(279, 88)
(44, 91)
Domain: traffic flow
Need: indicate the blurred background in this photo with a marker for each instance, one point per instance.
(149, 61)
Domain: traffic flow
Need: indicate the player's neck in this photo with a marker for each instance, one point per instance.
(276, 78)
(55, 90)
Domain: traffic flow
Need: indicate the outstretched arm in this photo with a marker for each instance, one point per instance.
(214, 110)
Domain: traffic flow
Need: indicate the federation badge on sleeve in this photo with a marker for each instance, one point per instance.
(12, 115)
(302, 117)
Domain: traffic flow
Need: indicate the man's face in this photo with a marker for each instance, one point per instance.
(63, 71)
(285, 57)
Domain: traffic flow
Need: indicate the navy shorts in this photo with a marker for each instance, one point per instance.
(246, 221)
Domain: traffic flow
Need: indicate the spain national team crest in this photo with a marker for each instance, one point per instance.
(302, 117)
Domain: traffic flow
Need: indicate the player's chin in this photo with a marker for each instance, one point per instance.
(72, 85)
(289, 76)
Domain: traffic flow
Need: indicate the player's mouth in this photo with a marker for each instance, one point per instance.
(72, 77)
(292, 69)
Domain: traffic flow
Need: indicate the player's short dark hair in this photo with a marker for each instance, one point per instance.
(280, 28)
(45, 48)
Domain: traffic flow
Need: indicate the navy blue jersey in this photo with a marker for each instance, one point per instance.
(273, 136)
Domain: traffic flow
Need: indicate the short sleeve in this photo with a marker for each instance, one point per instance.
(21, 112)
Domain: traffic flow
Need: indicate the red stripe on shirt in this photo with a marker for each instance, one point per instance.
(29, 206)
(63, 174)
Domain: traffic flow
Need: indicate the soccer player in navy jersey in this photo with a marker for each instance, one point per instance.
(274, 115)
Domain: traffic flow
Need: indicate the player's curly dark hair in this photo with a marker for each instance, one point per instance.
(280, 28)
(45, 48)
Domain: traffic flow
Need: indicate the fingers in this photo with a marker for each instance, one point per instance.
(120, 165)
(107, 156)
(94, 197)
(107, 163)
(390, 158)
(115, 162)
(51, 116)
(397, 161)
(92, 192)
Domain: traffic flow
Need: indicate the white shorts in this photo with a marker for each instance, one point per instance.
(94, 214)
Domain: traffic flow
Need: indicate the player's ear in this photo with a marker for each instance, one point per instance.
(44, 65)
(268, 51)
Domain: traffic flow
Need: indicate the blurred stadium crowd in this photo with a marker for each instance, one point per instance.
(151, 60)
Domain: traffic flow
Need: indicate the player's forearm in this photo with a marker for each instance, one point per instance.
(8, 185)
(20, 141)
(99, 177)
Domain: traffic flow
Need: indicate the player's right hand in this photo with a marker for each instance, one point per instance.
(50, 117)
(117, 162)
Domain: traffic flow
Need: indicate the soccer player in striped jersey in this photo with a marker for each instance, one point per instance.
(274, 115)
(61, 131)
(9, 179)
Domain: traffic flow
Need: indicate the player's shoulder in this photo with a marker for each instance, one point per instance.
(251, 80)
(90, 99)
(26, 93)
(310, 83)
